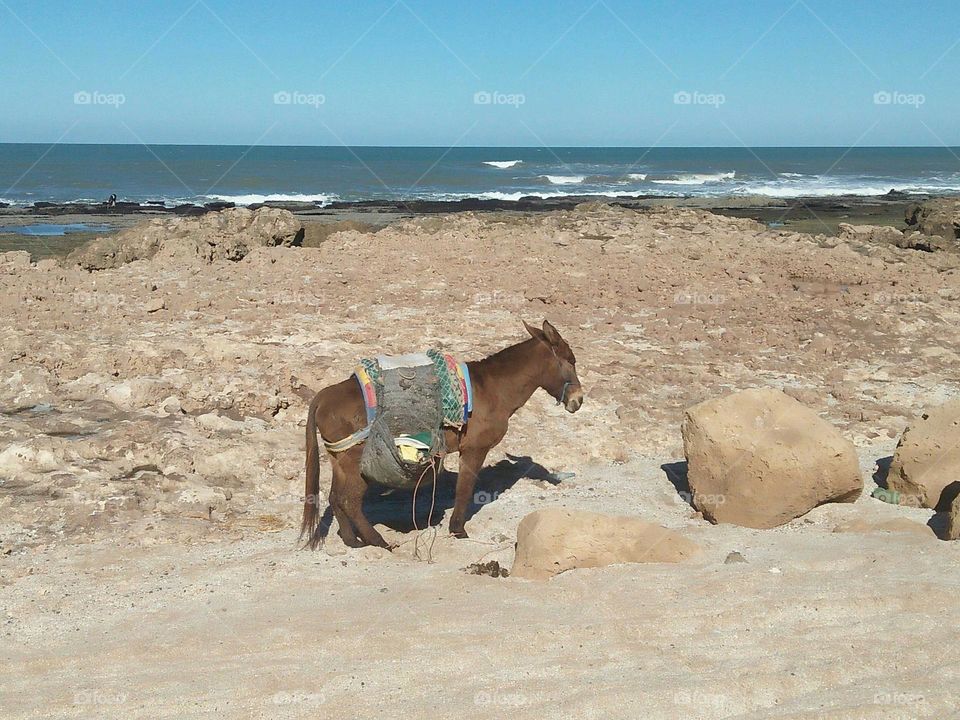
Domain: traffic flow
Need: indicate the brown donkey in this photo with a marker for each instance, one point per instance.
(502, 383)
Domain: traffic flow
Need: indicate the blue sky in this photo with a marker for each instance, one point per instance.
(418, 72)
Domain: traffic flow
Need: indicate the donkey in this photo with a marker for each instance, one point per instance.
(502, 383)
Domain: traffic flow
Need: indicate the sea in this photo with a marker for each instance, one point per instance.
(175, 174)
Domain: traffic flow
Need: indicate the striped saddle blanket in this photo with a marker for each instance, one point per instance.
(409, 400)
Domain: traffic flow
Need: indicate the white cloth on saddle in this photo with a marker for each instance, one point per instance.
(392, 362)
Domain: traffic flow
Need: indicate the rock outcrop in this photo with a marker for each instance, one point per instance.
(870, 233)
(759, 458)
(553, 540)
(226, 235)
(940, 217)
(926, 465)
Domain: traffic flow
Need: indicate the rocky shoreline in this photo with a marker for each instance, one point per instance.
(811, 215)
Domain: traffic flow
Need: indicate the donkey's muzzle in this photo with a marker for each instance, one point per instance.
(573, 400)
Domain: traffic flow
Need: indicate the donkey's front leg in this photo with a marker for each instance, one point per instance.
(471, 461)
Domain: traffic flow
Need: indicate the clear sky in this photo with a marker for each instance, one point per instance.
(490, 72)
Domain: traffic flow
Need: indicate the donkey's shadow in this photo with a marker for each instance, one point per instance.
(395, 508)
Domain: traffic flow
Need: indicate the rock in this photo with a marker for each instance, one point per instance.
(870, 233)
(14, 261)
(155, 305)
(936, 217)
(926, 465)
(553, 540)
(925, 243)
(759, 458)
(733, 558)
(226, 235)
(953, 520)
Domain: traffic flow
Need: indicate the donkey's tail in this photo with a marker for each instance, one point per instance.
(311, 490)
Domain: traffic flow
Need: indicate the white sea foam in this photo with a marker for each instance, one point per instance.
(564, 179)
(696, 178)
(637, 176)
(321, 198)
(502, 164)
(814, 189)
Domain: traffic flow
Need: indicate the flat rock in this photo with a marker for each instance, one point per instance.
(553, 540)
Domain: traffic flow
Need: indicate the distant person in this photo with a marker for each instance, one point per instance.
(112, 202)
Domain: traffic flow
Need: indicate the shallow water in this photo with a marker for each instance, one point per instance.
(53, 229)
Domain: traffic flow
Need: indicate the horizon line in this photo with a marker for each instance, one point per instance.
(503, 147)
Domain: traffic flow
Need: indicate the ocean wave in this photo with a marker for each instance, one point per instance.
(253, 199)
(637, 176)
(519, 194)
(502, 164)
(791, 190)
(564, 179)
(695, 178)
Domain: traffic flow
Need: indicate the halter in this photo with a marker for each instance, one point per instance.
(563, 393)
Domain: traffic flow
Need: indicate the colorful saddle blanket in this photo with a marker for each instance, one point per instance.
(409, 400)
(452, 378)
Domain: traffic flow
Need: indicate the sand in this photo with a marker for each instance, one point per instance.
(151, 464)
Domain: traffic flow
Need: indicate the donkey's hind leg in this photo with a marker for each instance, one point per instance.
(350, 487)
(338, 490)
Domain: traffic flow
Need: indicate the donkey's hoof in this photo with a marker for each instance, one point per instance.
(459, 534)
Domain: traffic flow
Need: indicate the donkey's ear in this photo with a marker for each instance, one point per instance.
(551, 334)
(535, 333)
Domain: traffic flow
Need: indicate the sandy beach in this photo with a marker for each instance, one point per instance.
(152, 476)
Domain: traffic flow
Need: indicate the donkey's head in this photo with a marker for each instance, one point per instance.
(559, 372)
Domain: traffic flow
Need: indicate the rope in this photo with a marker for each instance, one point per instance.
(437, 459)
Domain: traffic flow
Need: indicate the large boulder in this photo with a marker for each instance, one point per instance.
(936, 217)
(759, 458)
(553, 540)
(926, 465)
(226, 235)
